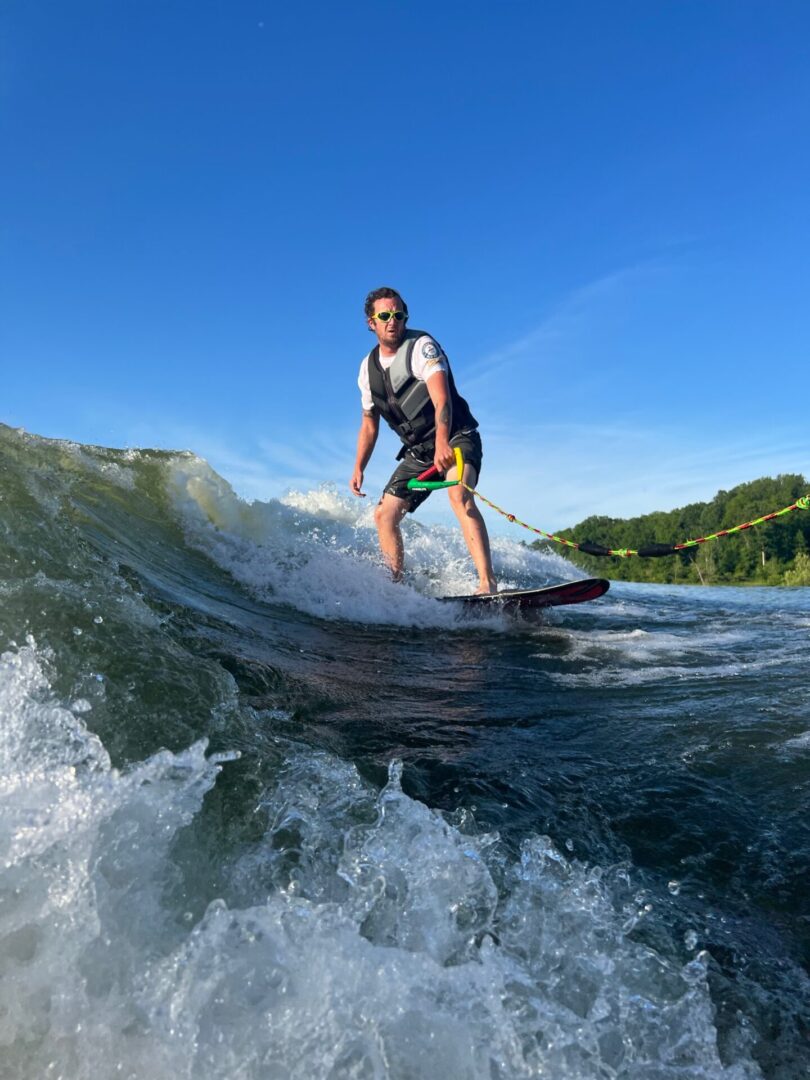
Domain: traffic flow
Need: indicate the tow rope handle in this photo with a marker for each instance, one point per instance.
(421, 482)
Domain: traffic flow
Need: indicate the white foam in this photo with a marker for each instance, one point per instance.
(615, 676)
(396, 956)
(363, 934)
(798, 744)
(83, 852)
(635, 656)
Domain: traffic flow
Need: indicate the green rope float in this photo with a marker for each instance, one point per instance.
(650, 551)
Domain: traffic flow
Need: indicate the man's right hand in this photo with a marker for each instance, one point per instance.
(367, 437)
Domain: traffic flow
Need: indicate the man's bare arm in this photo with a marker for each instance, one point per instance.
(440, 396)
(366, 440)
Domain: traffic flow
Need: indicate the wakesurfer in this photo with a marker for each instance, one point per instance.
(406, 379)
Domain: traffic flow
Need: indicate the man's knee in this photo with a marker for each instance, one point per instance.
(460, 499)
(389, 511)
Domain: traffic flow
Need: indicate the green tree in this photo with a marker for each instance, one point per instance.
(762, 554)
(800, 574)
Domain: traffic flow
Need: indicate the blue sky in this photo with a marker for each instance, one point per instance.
(599, 209)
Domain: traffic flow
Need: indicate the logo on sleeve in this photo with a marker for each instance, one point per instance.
(430, 350)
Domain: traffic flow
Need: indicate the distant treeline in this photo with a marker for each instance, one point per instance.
(775, 553)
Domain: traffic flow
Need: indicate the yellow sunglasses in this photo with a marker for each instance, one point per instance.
(384, 316)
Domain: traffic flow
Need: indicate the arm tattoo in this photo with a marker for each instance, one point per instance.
(444, 415)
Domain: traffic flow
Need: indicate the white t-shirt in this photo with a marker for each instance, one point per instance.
(426, 359)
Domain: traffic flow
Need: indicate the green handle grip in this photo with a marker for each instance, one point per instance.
(421, 483)
(429, 485)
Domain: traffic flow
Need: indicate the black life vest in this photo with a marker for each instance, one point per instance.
(403, 400)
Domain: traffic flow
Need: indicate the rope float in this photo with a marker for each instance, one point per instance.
(650, 551)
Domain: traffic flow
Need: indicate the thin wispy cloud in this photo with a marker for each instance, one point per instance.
(570, 316)
(563, 475)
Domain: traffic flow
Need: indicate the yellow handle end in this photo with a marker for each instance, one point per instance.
(459, 463)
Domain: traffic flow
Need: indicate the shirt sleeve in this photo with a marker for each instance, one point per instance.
(427, 358)
(366, 400)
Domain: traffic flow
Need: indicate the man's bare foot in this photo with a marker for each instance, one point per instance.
(484, 589)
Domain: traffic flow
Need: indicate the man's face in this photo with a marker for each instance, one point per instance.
(390, 333)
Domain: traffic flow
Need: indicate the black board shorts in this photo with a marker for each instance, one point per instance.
(469, 442)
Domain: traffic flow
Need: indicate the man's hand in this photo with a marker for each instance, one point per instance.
(444, 458)
(367, 437)
(356, 483)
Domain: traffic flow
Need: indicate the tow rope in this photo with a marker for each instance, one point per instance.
(650, 551)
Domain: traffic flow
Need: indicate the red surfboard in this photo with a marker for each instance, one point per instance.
(569, 592)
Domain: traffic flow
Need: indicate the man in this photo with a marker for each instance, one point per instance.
(406, 379)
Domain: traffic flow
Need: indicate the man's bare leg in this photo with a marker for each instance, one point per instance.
(474, 529)
(389, 512)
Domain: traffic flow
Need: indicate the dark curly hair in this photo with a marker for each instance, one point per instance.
(383, 293)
